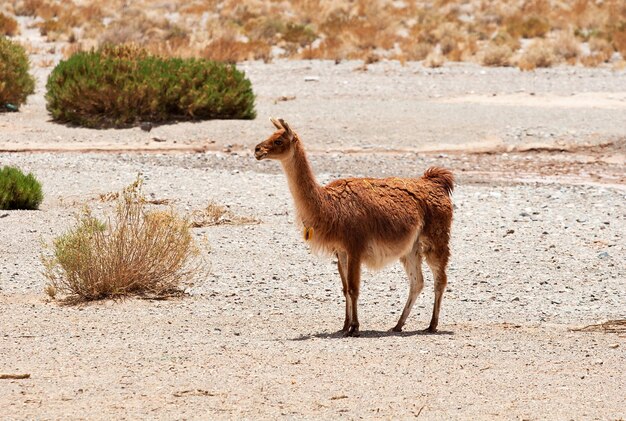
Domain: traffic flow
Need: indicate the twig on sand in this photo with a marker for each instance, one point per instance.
(610, 326)
(420, 411)
(14, 376)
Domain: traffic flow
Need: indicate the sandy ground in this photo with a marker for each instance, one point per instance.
(538, 249)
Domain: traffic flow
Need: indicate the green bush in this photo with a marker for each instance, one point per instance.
(123, 86)
(15, 81)
(19, 191)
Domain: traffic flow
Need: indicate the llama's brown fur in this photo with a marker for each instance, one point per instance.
(371, 221)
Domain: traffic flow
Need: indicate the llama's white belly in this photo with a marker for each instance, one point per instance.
(379, 254)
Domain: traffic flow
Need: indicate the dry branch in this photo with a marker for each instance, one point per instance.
(610, 326)
(14, 376)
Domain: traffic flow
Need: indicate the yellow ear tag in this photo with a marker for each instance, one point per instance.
(308, 233)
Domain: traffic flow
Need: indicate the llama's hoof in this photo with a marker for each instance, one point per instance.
(353, 331)
(430, 329)
(396, 329)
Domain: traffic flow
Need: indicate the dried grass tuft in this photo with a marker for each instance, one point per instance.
(136, 251)
(215, 214)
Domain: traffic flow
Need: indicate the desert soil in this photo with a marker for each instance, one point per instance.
(538, 249)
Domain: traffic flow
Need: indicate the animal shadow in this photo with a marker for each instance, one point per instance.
(371, 334)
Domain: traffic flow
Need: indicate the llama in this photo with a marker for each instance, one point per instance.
(370, 221)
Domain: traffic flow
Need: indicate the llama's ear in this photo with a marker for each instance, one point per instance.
(287, 128)
(276, 123)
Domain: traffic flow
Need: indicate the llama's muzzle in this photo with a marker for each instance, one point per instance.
(259, 153)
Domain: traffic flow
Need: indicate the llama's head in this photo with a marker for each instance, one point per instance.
(279, 145)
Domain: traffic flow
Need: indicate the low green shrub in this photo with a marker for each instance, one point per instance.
(19, 191)
(123, 86)
(15, 81)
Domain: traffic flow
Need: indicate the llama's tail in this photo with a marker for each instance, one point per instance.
(440, 176)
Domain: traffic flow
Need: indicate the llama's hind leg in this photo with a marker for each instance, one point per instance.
(342, 266)
(412, 263)
(437, 261)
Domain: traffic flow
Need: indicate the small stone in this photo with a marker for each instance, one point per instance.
(146, 126)
(311, 79)
(603, 255)
(614, 346)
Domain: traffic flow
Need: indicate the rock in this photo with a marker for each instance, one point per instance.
(311, 79)
(603, 255)
(146, 126)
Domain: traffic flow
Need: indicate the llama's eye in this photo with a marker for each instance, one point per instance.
(278, 142)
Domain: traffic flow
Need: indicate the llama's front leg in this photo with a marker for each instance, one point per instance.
(354, 284)
(342, 265)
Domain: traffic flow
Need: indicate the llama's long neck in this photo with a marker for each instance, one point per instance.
(302, 184)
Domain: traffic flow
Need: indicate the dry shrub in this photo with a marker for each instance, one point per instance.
(619, 65)
(434, 59)
(41, 8)
(229, 50)
(135, 27)
(215, 214)
(600, 52)
(415, 51)
(504, 38)
(136, 251)
(619, 40)
(497, 55)
(8, 25)
(566, 46)
(538, 54)
(601, 47)
(329, 29)
(528, 26)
